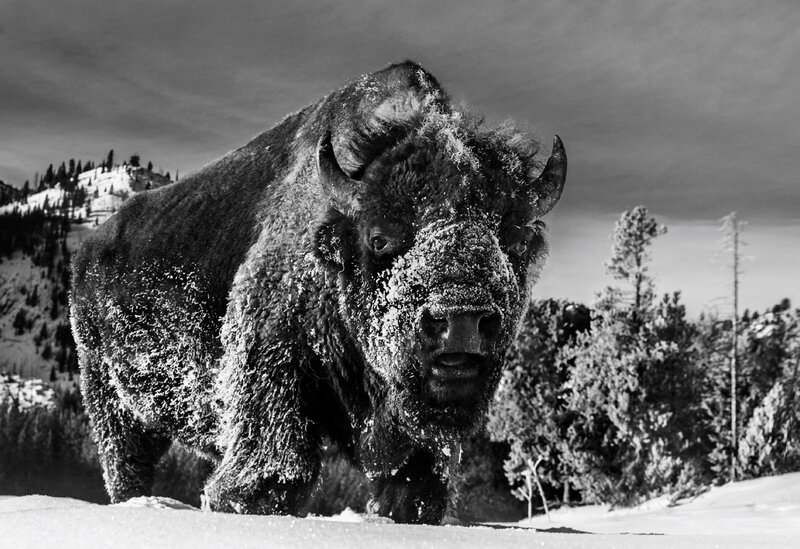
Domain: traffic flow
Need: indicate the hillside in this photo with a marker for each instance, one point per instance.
(105, 191)
(40, 233)
(8, 193)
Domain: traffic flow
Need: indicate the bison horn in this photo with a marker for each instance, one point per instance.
(550, 183)
(341, 190)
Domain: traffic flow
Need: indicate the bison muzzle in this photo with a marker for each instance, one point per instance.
(353, 275)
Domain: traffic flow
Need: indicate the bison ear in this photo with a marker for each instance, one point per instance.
(332, 241)
(548, 186)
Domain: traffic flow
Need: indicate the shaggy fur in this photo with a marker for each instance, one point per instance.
(248, 313)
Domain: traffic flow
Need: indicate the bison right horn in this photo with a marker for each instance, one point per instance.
(340, 188)
(548, 186)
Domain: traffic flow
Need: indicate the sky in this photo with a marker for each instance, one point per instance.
(689, 108)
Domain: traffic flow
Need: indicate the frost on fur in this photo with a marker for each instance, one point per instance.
(354, 274)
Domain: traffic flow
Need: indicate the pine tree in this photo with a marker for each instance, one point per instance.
(41, 336)
(32, 300)
(150, 167)
(135, 161)
(49, 177)
(768, 384)
(61, 359)
(633, 234)
(110, 159)
(712, 343)
(528, 410)
(54, 309)
(61, 174)
(20, 321)
(72, 363)
(638, 427)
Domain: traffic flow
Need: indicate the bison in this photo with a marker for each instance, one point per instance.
(353, 275)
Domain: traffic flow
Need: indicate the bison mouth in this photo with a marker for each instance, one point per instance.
(455, 380)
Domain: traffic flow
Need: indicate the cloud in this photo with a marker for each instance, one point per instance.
(687, 107)
(678, 102)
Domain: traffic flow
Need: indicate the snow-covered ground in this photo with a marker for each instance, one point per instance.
(757, 513)
(27, 393)
(765, 506)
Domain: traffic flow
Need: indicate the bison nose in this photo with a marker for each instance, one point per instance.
(463, 332)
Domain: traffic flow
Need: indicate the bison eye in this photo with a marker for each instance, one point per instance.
(385, 239)
(520, 239)
(379, 243)
(383, 245)
(518, 248)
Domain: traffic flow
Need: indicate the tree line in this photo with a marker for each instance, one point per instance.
(65, 175)
(628, 399)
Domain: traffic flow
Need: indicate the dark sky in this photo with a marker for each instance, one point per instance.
(690, 108)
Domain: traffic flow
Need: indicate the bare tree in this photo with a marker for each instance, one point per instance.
(530, 475)
(731, 242)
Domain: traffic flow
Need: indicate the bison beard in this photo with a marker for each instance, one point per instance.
(355, 274)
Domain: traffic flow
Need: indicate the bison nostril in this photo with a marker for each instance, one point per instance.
(460, 332)
(433, 327)
(489, 325)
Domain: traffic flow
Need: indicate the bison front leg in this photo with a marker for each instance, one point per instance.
(414, 493)
(272, 451)
(129, 451)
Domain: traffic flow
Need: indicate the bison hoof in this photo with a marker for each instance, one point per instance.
(269, 498)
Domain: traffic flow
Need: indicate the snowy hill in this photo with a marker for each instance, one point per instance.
(34, 282)
(105, 193)
(27, 393)
(755, 513)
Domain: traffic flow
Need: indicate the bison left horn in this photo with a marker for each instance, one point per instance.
(341, 190)
(550, 183)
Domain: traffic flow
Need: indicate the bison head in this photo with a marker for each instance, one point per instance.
(436, 240)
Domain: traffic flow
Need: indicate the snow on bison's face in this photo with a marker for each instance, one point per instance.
(439, 242)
